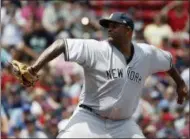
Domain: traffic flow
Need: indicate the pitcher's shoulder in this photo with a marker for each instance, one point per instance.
(146, 48)
(103, 45)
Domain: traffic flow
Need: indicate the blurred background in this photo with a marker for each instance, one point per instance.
(28, 27)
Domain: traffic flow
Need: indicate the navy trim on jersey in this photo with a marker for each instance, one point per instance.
(66, 50)
(171, 63)
(132, 53)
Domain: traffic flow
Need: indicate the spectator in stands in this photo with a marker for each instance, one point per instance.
(16, 132)
(72, 14)
(31, 130)
(178, 18)
(4, 123)
(36, 41)
(53, 11)
(175, 11)
(32, 9)
(183, 120)
(155, 32)
(62, 31)
(168, 130)
(39, 97)
(73, 89)
(10, 25)
(54, 97)
(9, 11)
(66, 113)
(145, 108)
(81, 20)
(186, 122)
(150, 131)
(170, 95)
(5, 57)
(182, 55)
(185, 131)
(52, 128)
(178, 51)
(89, 13)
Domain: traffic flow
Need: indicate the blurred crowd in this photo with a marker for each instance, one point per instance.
(29, 27)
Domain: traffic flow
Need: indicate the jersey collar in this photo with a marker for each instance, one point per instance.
(127, 58)
(132, 54)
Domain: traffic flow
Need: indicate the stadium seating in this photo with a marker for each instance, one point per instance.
(144, 10)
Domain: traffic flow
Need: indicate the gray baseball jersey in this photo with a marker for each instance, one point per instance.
(112, 86)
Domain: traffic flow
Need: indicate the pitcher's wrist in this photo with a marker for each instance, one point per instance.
(32, 70)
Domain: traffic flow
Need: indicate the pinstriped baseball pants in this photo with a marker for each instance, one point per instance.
(85, 124)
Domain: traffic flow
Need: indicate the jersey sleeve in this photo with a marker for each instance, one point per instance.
(160, 60)
(82, 51)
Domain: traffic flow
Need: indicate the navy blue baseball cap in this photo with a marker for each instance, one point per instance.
(118, 17)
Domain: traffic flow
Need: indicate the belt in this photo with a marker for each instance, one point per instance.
(91, 110)
(86, 107)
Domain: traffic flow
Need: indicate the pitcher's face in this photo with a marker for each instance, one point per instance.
(118, 32)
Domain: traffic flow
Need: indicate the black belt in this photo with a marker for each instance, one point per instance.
(86, 107)
(91, 110)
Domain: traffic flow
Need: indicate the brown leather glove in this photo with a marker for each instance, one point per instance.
(23, 74)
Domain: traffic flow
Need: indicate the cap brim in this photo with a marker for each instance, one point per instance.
(105, 22)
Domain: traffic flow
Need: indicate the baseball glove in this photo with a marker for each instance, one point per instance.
(22, 73)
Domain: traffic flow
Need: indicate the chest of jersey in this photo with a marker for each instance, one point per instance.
(116, 68)
(117, 82)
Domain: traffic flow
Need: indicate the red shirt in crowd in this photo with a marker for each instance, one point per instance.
(177, 22)
(7, 78)
(32, 11)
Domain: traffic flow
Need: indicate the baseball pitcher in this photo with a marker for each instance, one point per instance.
(115, 71)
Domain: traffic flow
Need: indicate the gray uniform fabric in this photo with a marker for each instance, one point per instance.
(112, 87)
(86, 124)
